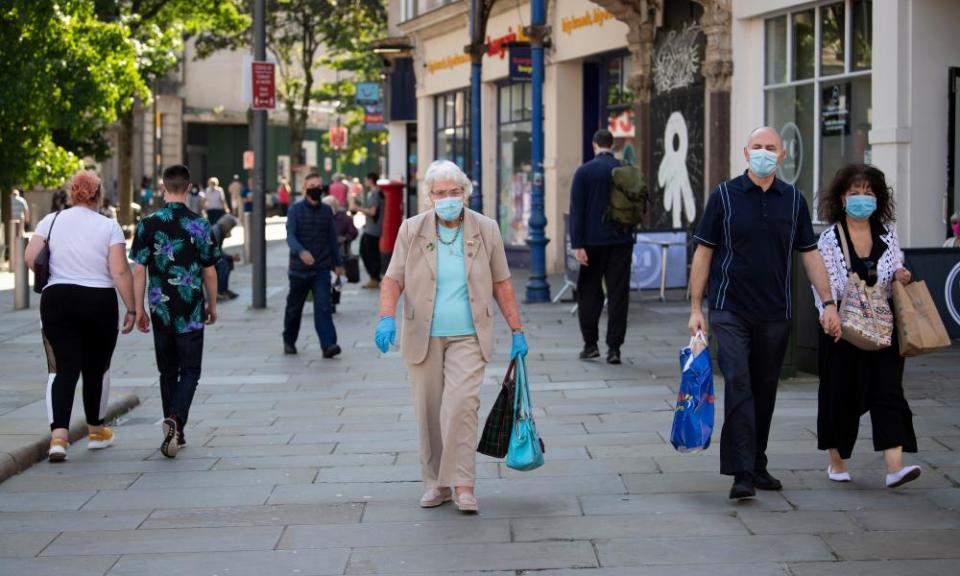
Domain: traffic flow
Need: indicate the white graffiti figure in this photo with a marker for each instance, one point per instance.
(673, 177)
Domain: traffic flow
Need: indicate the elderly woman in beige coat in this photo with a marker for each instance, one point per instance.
(450, 266)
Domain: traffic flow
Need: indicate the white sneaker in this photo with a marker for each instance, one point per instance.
(838, 476)
(906, 474)
(58, 450)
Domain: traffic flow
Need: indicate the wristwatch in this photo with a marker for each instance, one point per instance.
(829, 303)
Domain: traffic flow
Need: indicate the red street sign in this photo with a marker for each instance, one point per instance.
(248, 160)
(264, 91)
(338, 138)
(373, 118)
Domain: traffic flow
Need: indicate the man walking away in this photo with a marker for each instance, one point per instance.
(370, 240)
(604, 250)
(312, 237)
(175, 255)
(754, 223)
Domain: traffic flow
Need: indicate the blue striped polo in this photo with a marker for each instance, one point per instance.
(753, 234)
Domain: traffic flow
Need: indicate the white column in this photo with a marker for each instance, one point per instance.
(563, 135)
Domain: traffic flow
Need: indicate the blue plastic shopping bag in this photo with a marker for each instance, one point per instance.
(693, 415)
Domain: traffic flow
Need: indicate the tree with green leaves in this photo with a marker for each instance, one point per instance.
(306, 35)
(65, 77)
(158, 29)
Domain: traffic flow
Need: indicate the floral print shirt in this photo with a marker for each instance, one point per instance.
(175, 244)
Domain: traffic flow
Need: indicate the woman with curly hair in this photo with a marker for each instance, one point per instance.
(859, 205)
(78, 308)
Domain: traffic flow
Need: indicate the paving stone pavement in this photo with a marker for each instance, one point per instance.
(304, 466)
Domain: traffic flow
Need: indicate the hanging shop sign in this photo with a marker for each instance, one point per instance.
(373, 117)
(521, 63)
(368, 93)
(501, 45)
(338, 138)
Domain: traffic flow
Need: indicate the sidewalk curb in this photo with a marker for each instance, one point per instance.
(18, 460)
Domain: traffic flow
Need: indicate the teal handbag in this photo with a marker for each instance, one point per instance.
(526, 449)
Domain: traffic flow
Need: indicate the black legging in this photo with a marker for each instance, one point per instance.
(370, 254)
(80, 334)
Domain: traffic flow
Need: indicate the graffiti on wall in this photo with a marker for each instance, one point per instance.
(677, 120)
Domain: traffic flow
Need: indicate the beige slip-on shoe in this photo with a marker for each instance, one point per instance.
(435, 497)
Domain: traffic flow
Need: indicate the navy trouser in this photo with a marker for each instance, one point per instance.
(750, 354)
(302, 282)
(224, 266)
(179, 358)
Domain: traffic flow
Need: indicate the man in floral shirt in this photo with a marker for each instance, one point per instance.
(175, 255)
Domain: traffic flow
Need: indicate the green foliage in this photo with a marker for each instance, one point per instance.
(65, 76)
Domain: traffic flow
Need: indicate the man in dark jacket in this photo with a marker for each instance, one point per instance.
(604, 250)
(314, 252)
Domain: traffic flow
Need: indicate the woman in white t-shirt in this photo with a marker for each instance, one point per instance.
(78, 309)
(215, 201)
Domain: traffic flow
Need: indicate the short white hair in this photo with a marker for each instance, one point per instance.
(445, 170)
(332, 202)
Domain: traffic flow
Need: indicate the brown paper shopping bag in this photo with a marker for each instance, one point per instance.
(919, 326)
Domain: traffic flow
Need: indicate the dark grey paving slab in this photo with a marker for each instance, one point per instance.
(585, 467)
(876, 568)
(223, 478)
(840, 499)
(714, 550)
(43, 501)
(71, 520)
(65, 483)
(765, 569)
(900, 545)
(673, 482)
(272, 562)
(694, 502)
(491, 506)
(303, 461)
(349, 492)
(897, 520)
(73, 565)
(71, 469)
(170, 541)
(403, 473)
(255, 516)
(426, 534)
(24, 544)
(249, 440)
(180, 498)
(630, 527)
(418, 560)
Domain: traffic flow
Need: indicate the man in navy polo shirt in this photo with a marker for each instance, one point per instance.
(753, 223)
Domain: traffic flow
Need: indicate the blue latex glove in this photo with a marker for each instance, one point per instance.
(519, 346)
(386, 333)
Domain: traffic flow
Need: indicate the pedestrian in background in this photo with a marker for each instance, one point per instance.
(20, 208)
(754, 223)
(859, 205)
(196, 200)
(314, 253)
(283, 196)
(372, 230)
(235, 191)
(175, 256)
(346, 233)
(78, 309)
(221, 231)
(108, 209)
(450, 265)
(604, 250)
(954, 241)
(338, 188)
(214, 201)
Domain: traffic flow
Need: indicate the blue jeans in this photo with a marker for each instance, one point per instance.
(224, 266)
(179, 357)
(302, 282)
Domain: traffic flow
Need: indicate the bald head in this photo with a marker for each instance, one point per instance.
(764, 135)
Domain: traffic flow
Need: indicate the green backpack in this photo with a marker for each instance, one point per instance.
(628, 193)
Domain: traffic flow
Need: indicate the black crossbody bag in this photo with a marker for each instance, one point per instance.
(41, 265)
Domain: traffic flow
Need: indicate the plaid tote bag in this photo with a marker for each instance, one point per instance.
(496, 431)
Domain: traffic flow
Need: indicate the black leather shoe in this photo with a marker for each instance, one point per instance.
(289, 348)
(742, 487)
(590, 351)
(331, 351)
(613, 356)
(764, 481)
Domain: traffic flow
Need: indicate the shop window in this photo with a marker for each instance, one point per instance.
(823, 112)
(452, 121)
(620, 100)
(514, 167)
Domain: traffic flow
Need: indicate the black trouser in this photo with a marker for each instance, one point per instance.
(610, 264)
(80, 334)
(370, 254)
(301, 283)
(215, 214)
(179, 357)
(750, 354)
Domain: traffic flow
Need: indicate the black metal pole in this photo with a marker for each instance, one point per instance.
(258, 240)
(538, 289)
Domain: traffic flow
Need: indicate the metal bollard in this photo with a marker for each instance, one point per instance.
(21, 276)
(247, 246)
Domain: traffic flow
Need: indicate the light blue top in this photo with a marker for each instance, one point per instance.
(451, 309)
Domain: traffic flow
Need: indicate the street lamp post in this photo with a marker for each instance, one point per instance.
(258, 240)
(538, 290)
(478, 16)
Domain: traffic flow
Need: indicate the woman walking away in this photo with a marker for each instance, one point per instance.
(450, 265)
(78, 309)
(860, 208)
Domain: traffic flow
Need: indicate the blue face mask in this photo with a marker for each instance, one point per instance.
(448, 209)
(763, 162)
(860, 206)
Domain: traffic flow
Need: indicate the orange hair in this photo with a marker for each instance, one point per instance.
(84, 187)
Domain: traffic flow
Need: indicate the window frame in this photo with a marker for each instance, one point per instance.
(818, 80)
(505, 89)
(459, 143)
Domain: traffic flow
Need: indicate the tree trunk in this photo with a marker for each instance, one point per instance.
(125, 168)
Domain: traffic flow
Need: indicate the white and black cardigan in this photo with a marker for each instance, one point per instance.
(832, 254)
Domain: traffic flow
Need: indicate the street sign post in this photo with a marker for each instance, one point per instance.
(264, 88)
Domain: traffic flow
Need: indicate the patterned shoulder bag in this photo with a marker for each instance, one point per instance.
(865, 315)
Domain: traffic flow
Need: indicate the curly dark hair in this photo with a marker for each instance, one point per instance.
(831, 199)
